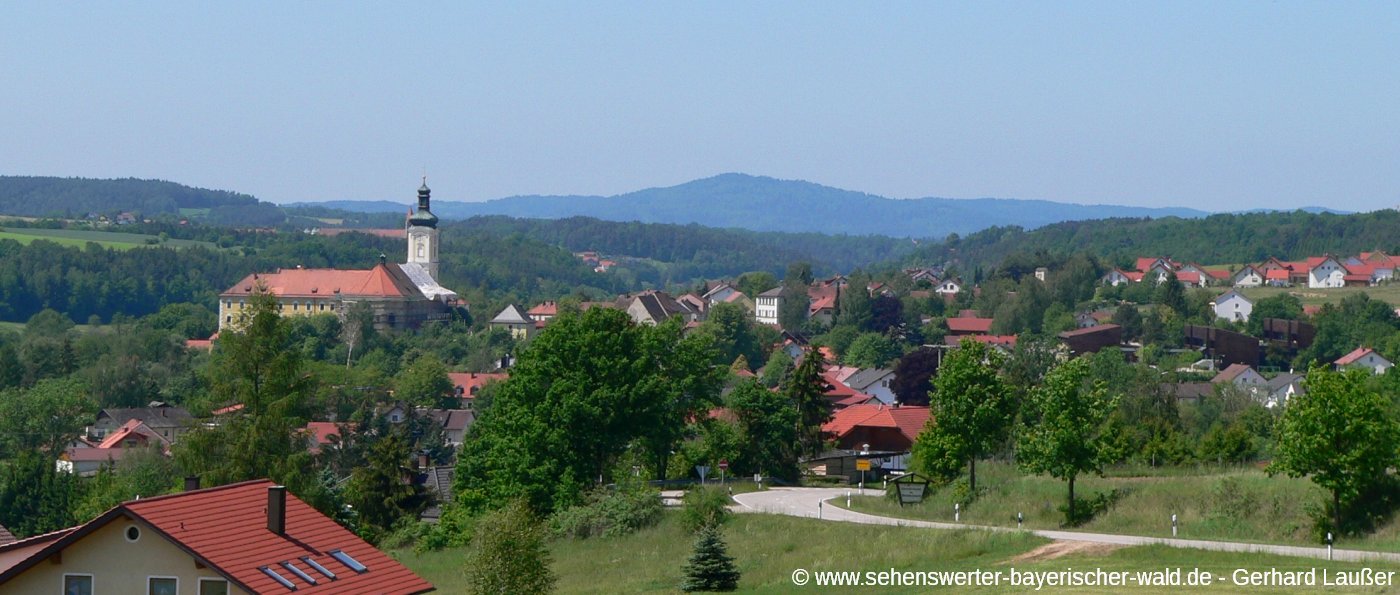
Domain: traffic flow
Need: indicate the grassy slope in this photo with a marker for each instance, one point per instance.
(768, 548)
(79, 238)
(1388, 293)
(1239, 505)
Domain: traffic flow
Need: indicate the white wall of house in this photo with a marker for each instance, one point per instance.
(948, 287)
(1328, 274)
(1373, 361)
(1248, 278)
(1234, 308)
(765, 310)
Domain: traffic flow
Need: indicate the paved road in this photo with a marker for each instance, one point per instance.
(807, 502)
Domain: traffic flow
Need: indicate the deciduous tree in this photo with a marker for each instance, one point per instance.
(970, 413)
(1069, 439)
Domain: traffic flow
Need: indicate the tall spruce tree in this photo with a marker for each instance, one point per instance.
(807, 390)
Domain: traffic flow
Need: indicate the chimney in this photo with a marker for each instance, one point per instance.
(191, 483)
(422, 460)
(277, 509)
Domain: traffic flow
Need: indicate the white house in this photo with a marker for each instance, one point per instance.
(1364, 357)
(1233, 306)
(1248, 276)
(1283, 387)
(765, 309)
(1326, 272)
(874, 382)
(952, 286)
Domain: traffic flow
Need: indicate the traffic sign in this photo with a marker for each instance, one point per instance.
(862, 464)
(724, 464)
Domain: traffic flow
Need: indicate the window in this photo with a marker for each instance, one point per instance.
(318, 567)
(133, 532)
(213, 586)
(162, 585)
(348, 561)
(77, 584)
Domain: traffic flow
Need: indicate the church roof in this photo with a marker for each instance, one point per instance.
(420, 277)
(382, 281)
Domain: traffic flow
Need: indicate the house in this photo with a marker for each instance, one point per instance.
(968, 325)
(167, 420)
(321, 435)
(1097, 317)
(874, 382)
(718, 292)
(468, 384)
(823, 309)
(1364, 357)
(85, 461)
(1278, 278)
(1325, 271)
(454, 423)
(1092, 339)
(1283, 387)
(877, 427)
(1118, 277)
(1233, 306)
(654, 307)
(948, 287)
(438, 483)
(250, 537)
(1190, 279)
(544, 312)
(516, 321)
(1243, 377)
(1247, 276)
(923, 274)
(767, 305)
(1189, 392)
(1040, 273)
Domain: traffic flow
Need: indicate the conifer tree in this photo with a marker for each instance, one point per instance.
(710, 568)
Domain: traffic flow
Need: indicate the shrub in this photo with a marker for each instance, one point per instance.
(508, 553)
(609, 513)
(705, 507)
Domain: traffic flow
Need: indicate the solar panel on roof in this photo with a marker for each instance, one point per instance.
(348, 561)
(272, 574)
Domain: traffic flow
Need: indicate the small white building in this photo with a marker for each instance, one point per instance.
(1247, 277)
(874, 382)
(1233, 306)
(765, 309)
(949, 286)
(1364, 357)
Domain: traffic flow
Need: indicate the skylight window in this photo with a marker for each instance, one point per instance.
(297, 571)
(348, 561)
(272, 574)
(318, 568)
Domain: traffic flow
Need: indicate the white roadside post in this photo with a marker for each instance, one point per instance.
(1019, 519)
(1329, 546)
(1173, 524)
(957, 512)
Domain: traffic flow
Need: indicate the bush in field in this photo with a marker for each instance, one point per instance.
(609, 513)
(705, 507)
(508, 553)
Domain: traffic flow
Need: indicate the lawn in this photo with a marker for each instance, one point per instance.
(1224, 505)
(1389, 292)
(769, 548)
(107, 239)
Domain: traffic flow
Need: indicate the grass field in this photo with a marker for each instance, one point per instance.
(1228, 505)
(769, 548)
(107, 239)
(1387, 293)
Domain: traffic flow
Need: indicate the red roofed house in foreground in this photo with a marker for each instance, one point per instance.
(1364, 357)
(249, 537)
(885, 428)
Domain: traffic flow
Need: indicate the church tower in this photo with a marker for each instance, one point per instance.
(423, 234)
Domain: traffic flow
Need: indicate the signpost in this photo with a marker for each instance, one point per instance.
(911, 488)
(702, 470)
(723, 466)
(862, 465)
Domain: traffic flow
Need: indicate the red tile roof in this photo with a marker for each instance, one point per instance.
(381, 281)
(544, 309)
(1189, 277)
(1276, 274)
(908, 420)
(133, 429)
(320, 433)
(1354, 356)
(969, 325)
(236, 542)
(471, 382)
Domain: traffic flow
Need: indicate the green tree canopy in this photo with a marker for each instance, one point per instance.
(1069, 438)
(971, 411)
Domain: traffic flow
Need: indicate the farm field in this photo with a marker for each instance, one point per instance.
(80, 238)
(1389, 293)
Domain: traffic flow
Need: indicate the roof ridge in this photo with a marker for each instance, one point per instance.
(226, 486)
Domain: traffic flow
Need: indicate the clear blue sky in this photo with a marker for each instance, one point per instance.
(1218, 106)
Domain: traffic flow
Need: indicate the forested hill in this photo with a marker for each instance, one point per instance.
(1218, 239)
(693, 251)
(767, 204)
(74, 198)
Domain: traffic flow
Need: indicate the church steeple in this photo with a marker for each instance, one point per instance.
(424, 217)
(423, 233)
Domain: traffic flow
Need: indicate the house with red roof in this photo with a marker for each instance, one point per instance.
(885, 428)
(467, 384)
(1247, 276)
(250, 537)
(86, 460)
(1364, 357)
(323, 434)
(969, 325)
(1326, 271)
(544, 312)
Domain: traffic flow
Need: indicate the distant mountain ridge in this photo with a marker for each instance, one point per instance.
(761, 203)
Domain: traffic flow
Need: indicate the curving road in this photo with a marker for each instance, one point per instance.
(809, 502)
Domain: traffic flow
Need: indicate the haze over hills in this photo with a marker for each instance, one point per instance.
(762, 203)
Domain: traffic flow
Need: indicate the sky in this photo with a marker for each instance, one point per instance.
(1213, 105)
